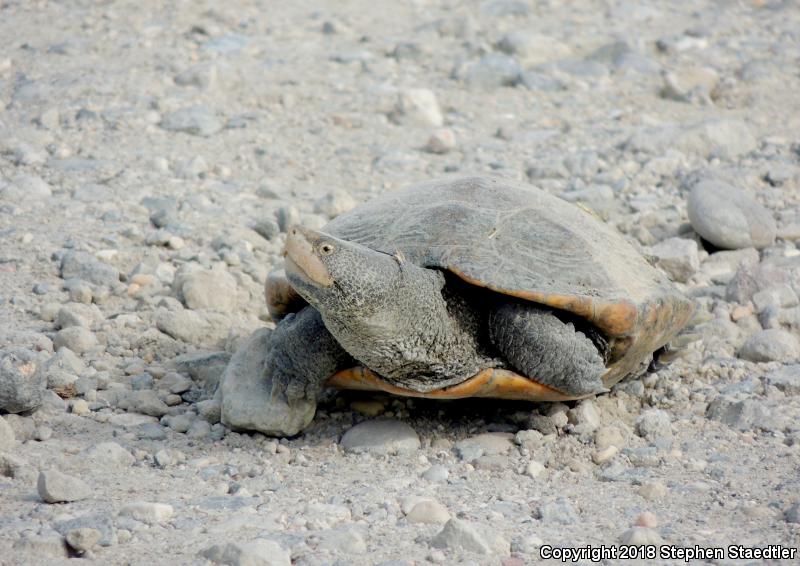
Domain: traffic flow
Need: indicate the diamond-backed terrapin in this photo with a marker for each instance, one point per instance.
(456, 288)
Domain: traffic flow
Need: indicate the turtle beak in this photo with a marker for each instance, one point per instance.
(302, 260)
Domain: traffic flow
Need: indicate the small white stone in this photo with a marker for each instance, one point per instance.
(441, 141)
(146, 512)
(534, 469)
(428, 511)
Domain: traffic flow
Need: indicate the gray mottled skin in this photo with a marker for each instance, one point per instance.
(538, 344)
(303, 354)
(401, 321)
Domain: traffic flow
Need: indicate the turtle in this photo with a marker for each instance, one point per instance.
(461, 287)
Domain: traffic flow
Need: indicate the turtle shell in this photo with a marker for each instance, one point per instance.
(521, 241)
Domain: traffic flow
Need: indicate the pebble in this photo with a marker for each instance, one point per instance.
(654, 424)
(605, 454)
(646, 519)
(212, 289)
(83, 539)
(344, 539)
(428, 511)
(47, 544)
(146, 512)
(728, 217)
(441, 141)
(792, 514)
(145, 402)
(652, 490)
(458, 534)
(777, 296)
(532, 49)
(436, 473)
(78, 314)
(771, 345)
(334, 203)
(55, 487)
(6, 435)
(585, 418)
(79, 407)
(178, 423)
(43, 433)
(22, 381)
(84, 266)
(722, 138)
(641, 536)
(786, 378)
(368, 408)
(486, 444)
(504, 8)
(534, 469)
(558, 512)
(608, 436)
(678, 257)
(25, 186)
(419, 106)
(746, 414)
(257, 552)
(77, 338)
(196, 121)
(287, 216)
(267, 228)
(110, 454)
(199, 429)
(492, 71)
(380, 437)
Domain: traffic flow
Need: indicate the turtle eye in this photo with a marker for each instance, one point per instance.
(326, 249)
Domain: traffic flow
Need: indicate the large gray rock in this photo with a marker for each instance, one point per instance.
(246, 393)
(771, 345)
(82, 265)
(211, 289)
(381, 437)
(55, 487)
(728, 217)
(22, 381)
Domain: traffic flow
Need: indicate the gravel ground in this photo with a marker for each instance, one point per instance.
(151, 155)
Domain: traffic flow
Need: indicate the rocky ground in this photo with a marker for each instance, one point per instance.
(151, 155)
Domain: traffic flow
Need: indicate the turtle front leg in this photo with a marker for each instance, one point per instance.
(547, 350)
(272, 384)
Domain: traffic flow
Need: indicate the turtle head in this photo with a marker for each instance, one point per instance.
(338, 277)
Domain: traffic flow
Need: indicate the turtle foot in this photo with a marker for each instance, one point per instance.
(253, 400)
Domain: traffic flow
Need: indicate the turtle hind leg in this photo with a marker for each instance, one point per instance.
(541, 346)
